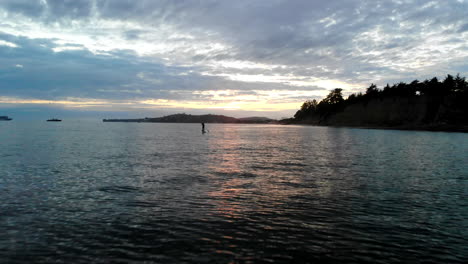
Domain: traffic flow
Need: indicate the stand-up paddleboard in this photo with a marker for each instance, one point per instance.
(203, 128)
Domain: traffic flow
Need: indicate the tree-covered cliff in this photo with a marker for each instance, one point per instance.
(431, 104)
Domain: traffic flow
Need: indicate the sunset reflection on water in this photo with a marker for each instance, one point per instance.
(239, 193)
(251, 167)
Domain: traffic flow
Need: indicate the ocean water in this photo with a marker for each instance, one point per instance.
(93, 192)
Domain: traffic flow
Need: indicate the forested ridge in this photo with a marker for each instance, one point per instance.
(428, 104)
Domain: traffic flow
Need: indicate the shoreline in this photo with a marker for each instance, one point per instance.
(428, 128)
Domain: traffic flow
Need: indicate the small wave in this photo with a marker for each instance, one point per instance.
(248, 175)
(259, 167)
(292, 164)
(296, 185)
(141, 204)
(119, 189)
(236, 174)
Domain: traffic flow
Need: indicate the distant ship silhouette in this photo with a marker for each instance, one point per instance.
(5, 118)
(54, 120)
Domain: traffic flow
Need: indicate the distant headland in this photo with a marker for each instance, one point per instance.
(186, 118)
(428, 105)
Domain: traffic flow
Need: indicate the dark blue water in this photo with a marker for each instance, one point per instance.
(81, 192)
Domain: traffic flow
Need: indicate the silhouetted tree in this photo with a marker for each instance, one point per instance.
(310, 105)
(334, 97)
(460, 84)
(331, 103)
(444, 102)
(432, 87)
(386, 89)
(372, 90)
(449, 84)
(308, 108)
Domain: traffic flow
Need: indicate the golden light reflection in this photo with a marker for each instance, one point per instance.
(226, 165)
(244, 168)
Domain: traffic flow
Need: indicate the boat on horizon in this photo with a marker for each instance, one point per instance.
(5, 118)
(54, 120)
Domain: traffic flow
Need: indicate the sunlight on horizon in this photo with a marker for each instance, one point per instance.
(114, 105)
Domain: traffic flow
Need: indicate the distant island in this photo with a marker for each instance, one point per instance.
(427, 105)
(186, 118)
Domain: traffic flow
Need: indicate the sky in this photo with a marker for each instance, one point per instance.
(126, 58)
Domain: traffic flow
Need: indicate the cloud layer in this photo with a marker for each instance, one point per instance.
(242, 55)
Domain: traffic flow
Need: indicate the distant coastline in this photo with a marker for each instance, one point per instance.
(431, 105)
(186, 118)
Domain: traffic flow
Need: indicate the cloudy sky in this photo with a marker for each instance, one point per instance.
(240, 58)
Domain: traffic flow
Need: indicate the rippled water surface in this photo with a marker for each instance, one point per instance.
(86, 192)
